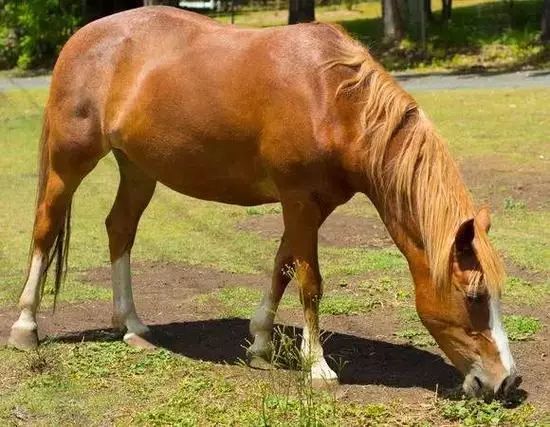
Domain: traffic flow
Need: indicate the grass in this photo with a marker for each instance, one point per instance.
(470, 41)
(478, 413)
(107, 382)
(101, 382)
(521, 328)
(501, 118)
(525, 292)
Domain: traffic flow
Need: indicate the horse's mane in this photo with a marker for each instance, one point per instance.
(417, 178)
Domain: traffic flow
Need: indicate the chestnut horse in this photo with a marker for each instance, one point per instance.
(300, 115)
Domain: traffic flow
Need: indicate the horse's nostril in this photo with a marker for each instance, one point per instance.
(478, 384)
(509, 384)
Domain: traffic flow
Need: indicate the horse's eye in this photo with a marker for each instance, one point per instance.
(472, 297)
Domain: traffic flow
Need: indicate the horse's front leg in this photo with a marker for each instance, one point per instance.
(310, 283)
(261, 324)
(302, 217)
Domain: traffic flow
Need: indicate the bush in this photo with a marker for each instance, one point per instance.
(32, 32)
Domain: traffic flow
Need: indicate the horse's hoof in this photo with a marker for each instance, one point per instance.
(258, 362)
(23, 339)
(143, 342)
(325, 383)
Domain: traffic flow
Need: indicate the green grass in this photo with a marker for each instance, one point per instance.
(479, 413)
(264, 209)
(525, 292)
(100, 383)
(521, 328)
(524, 237)
(505, 126)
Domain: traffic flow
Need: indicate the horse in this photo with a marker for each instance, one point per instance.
(302, 115)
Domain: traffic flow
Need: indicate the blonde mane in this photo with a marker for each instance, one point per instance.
(418, 178)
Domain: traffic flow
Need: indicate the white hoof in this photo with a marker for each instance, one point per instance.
(24, 336)
(134, 340)
(322, 375)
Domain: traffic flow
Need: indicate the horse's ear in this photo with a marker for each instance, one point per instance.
(483, 219)
(465, 236)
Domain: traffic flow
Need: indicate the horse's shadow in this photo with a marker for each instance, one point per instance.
(365, 361)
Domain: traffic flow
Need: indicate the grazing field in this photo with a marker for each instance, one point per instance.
(199, 269)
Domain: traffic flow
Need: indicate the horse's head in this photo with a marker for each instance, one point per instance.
(465, 318)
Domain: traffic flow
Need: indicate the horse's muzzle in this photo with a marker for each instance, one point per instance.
(475, 386)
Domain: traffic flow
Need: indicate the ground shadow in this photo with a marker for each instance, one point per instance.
(359, 360)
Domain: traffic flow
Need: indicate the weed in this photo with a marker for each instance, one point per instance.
(521, 328)
(37, 362)
(264, 210)
(347, 304)
(510, 204)
(478, 413)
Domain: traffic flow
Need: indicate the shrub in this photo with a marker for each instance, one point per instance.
(32, 32)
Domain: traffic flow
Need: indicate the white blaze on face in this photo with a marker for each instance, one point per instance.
(499, 335)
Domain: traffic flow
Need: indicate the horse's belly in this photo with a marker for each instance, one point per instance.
(224, 175)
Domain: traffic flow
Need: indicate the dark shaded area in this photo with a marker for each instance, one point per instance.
(98, 8)
(301, 11)
(365, 361)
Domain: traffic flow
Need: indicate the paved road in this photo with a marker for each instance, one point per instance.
(417, 82)
(413, 82)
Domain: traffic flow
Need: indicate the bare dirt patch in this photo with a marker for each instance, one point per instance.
(494, 180)
(163, 292)
(338, 230)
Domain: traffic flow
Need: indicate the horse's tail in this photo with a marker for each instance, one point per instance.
(60, 249)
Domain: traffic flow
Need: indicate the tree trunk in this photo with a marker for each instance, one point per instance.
(545, 22)
(160, 2)
(428, 9)
(446, 10)
(393, 21)
(301, 11)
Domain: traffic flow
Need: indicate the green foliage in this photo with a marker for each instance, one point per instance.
(33, 31)
(478, 413)
(347, 304)
(264, 209)
(511, 204)
(521, 328)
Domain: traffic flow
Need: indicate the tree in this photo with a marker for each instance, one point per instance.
(160, 2)
(392, 16)
(545, 22)
(301, 11)
(428, 9)
(446, 10)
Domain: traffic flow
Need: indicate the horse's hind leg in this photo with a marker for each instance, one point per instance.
(134, 193)
(50, 217)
